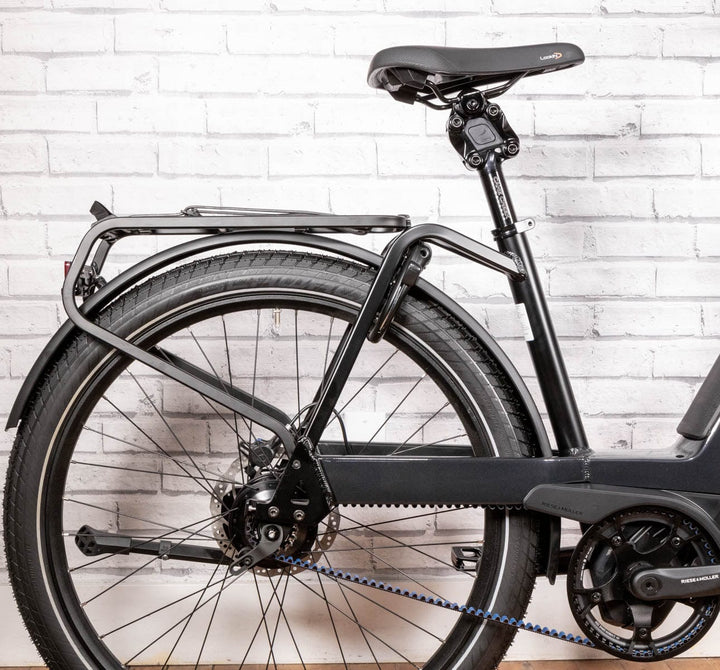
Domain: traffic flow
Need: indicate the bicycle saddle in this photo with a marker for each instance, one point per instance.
(405, 72)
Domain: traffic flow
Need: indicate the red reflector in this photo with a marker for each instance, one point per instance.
(67, 267)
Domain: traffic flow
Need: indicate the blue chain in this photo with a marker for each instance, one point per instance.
(439, 602)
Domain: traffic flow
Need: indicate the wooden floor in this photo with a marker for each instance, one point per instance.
(682, 664)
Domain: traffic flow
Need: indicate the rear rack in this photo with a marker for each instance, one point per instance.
(243, 218)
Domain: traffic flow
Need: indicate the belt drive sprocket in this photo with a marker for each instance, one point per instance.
(602, 565)
(235, 529)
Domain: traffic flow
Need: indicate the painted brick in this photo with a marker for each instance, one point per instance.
(49, 197)
(603, 279)
(431, 157)
(22, 73)
(36, 278)
(37, 317)
(552, 160)
(699, 38)
(227, 157)
(41, 113)
(382, 32)
(496, 32)
(161, 194)
(108, 155)
(708, 239)
(630, 397)
(647, 319)
(613, 38)
(600, 199)
(290, 193)
(274, 75)
(684, 358)
(280, 35)
(259, 117)
(643, 77)
(214, 6)
(201, 34)
(652, 7)
(687, 199)
(350, 6)
(711, 318)
(57, 33)
(104, 4)
(322, 156)
(376, 116)
(415, 196)
(23, 238)
(656, 433)
(644, 239)
(587, 117)
(647, 158)
(151, 115)
(688, 279)
(678, 118)
(20, 153)
(710, 157)
(109, 73)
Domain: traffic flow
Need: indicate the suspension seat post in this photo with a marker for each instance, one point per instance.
(481, 134)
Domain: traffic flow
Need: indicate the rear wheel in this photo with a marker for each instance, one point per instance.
(111, 451)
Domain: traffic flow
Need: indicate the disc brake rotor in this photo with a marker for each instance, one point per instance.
(302, 541)
(604, 561)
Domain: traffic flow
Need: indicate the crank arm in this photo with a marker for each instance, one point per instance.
(93, 542)
(676, 583)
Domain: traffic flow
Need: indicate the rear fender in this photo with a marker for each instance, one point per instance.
(115, 287)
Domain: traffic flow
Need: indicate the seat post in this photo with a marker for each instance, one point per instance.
(533, 309)
(482, 136)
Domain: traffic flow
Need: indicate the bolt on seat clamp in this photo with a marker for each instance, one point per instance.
(477, 128)
(514, 228)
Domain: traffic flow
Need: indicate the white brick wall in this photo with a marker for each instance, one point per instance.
(156, 104)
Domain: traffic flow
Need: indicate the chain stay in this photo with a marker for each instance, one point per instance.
(439, 602)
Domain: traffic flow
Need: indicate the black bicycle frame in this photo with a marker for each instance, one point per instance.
(538, 483)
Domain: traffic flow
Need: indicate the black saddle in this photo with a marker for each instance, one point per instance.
(408, 72)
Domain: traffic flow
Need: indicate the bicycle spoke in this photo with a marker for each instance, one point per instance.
(220, 379)
(365, 628)
(297, 367)
(235, 416)
(433, 512)
(332, 620)
(127, 469)
(358, 391)
(212, 616)
(199, 483)
(255, 362)
(172, 432)
(327, 344)
(354, 616)
(399, 449)
(164, 536)
(402, 544)
(392, 567)
(180, 464)
(392, 414)
(136, 570)
(195, 609)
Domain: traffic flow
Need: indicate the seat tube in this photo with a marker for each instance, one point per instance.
(541, 339)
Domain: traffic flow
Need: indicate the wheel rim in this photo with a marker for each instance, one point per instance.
(93, 588)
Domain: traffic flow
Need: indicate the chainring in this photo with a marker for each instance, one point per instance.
(604, 560)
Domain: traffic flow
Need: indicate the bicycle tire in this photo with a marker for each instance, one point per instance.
(44, 462)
